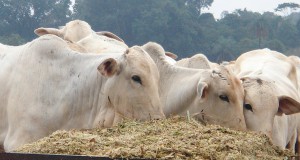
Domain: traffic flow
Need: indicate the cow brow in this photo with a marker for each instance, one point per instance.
(219, 74)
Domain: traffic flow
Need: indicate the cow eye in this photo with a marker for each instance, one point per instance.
(136, 79)
(248, 107)
(224, 98)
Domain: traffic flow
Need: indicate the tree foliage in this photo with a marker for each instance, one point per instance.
(167, 22)
(178, 25)
(19, 16)
(287, 7)
(13, 39)
(197, 5)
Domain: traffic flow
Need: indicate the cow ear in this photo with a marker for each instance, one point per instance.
(202, 90)
(172, 55)
(288, 105)
(43, 31)
(110, 35)
(109, 67)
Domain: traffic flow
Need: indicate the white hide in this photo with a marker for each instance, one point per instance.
(46, 87)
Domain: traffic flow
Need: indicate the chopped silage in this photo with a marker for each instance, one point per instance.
(174, 138)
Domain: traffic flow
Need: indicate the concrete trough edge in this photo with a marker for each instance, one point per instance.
(31, 156)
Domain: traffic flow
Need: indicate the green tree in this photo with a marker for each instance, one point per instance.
(276, 45)
(246, 44)
(260, 30)
(287, 8)
(224, 50)
(167, 22)
(13, 39)
(287, 33)
(180, 28)
(23, 17)
(196, 6)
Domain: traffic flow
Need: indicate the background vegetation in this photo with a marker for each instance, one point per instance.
(179, 26)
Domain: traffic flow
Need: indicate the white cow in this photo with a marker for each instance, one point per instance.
(214, 96)
(82, 38)
(259, 114)
(295, 142)
(199, 61)
(270, 83)
(171, 57)
(45, 87)
(296, 61)
(3, 46)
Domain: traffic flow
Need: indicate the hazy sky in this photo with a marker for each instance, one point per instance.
(218, 6)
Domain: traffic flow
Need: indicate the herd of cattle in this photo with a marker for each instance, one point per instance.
(76, 78)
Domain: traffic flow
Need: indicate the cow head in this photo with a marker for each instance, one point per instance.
(214, 96)
(73, 31)
(220, 99)
(262, 104)
(132, 85)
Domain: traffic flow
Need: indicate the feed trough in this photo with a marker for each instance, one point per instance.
(174, 138)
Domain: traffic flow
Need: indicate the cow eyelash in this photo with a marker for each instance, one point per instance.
(248, 107)
(136, 79)
(224, 98)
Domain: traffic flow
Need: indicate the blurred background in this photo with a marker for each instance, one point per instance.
(184, 27)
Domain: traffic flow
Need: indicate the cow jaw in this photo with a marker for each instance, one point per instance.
(132, 77)
(264, 104)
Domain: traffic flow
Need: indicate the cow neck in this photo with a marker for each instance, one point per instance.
(106, 114)
(177, 86)
(91, 99)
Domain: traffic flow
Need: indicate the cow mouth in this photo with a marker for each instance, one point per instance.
(156, 117)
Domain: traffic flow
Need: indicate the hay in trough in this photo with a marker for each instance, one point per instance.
(174, 138)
